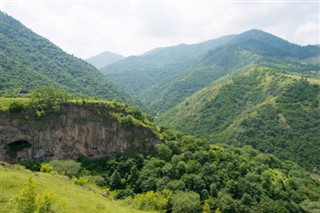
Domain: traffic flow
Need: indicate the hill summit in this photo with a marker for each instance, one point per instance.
(103, 59)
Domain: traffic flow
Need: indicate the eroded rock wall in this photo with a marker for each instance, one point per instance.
(77, 130)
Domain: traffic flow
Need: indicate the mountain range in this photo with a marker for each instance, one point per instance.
(215, 90)
(246, 107)
(164, 77)
(103, 59)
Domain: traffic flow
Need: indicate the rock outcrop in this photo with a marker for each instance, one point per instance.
(89, 130)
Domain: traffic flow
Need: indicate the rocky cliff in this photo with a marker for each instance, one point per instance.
(91, 130)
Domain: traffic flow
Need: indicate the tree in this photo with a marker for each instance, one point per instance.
(206, 207)
(68, 167)
(29, 201)
(187, 202)
(26, 199)
(115, 180)
(164, 152)
(47, 100)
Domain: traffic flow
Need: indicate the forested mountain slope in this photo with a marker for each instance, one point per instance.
(104, 59)
(29, 61)
(186, 174)
(270, 111)
(164, 77)
(137, 73)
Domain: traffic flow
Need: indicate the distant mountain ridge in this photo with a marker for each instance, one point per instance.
(138, 73)
(163, 77)
(29, 61)
(103, 59)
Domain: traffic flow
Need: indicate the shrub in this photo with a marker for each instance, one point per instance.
(188, 202)
(16, 107)
(153, 200)
(128, 121)
(68, 167)
(96, 179)
(47, 202)
(123, 193)
(163, 152)
(26, 199)
(80, 181)
(46, 167)
(29, 201)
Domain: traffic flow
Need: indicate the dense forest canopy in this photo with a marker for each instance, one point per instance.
(269, 111)
(29, 61)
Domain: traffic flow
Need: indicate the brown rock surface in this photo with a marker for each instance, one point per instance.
(88, 130)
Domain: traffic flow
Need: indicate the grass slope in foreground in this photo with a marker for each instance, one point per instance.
(77, 198)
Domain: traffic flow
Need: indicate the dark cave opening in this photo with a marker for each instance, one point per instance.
(16, 146)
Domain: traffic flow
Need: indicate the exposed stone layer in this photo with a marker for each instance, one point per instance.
(76, 130)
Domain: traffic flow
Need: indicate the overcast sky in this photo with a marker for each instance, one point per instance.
(86, 28)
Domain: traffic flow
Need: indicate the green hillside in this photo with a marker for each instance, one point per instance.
(183, 174)
(73, 198)
(138, 73)
(29, 61)
(247, 106)
(196, 175)
(166, 95)
(164, 77)
(270, 111)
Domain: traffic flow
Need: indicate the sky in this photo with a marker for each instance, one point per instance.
(87, 28)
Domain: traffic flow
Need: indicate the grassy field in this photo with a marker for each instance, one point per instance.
(5, 102)
(77, 198)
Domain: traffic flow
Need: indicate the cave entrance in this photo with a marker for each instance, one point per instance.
(16, 146)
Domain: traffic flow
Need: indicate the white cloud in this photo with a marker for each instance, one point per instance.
(87, 28)
(308, 33)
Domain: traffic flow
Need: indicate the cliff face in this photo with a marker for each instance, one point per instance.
(76, 130)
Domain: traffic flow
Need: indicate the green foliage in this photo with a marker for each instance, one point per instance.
(29, 200)
(269, 111)
(216, 113)
(188, 202)
(165, 77)
(80, 181)
(46, 167)
(26, 199)
(67, 167)
(289, 128)
(164, 152)
(153, 200)
(96, 179)
(29, 61)
(49, 202)
(34, 165)
(136, 74)
(55, 192)
(16, 107)
(115, 181)
(124, 193)
(206, 207)
(128, 121)
(229, 179)
(47, 100)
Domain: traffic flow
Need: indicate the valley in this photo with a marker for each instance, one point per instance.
(225, 125)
